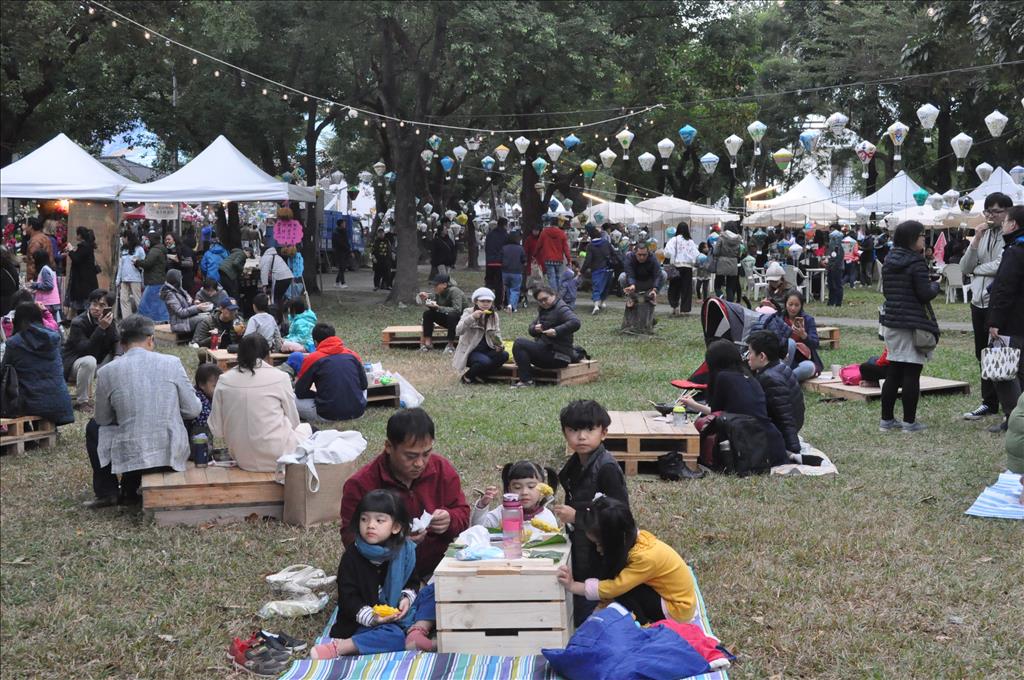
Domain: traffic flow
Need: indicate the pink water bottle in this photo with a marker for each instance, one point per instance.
(512, 526)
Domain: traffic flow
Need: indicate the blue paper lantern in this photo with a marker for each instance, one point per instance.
(570, 141)
(687, 133)
(447, 163)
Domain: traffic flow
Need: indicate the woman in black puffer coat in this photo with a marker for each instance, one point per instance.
(908, 293)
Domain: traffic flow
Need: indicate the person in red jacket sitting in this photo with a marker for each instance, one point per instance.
(423, 479)
(553, 253)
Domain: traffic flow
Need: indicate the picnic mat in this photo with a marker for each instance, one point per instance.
(431, 666)
(1001, 500)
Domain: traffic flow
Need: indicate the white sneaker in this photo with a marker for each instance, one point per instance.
(343, 286)
(597, 308)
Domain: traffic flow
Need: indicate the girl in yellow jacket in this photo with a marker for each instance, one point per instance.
(639, 572)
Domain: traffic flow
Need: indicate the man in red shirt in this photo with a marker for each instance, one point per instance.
(424, 480)
(553, 253)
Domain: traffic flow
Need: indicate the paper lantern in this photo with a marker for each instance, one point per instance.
(836, 123)
(589, 168)
(709, 162)
(865, 152)
(965, 203)
(570, 142)
(862, 215)
(920, 196)
(927, 114)
(379, 168)
(607, 157)
(949, 198)
(336, 177)
(522, 144)
(756, 131)
(487, 163)
(538, 165)
(625, 138)
(434, 142)
(687, 133)
(460, 153)
(984, 171)
(995, 122)
(473, 143)
(646, 160)
(665, 149)
(1017, 173)
(501, 151)
(732, 145)
(961, 147)
(782, 158)
(447, 163)
(898, 134)
(935, 201)
(427, 207)
(427, 155)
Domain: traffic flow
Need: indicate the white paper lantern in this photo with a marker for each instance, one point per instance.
(646, 160)
(863, 214)
(898, 134)
(756, 131)
(522, 144)
(984, 171)
(709, 162)
(950, 198)
(927, 114)
(665, 149)
(961, 147)
(427, 155)
(995, 122)
(625, 138)
(836, 123)
(607, 157)
(554, 151)
(1017, 173)
(935, 201)
(732, 145)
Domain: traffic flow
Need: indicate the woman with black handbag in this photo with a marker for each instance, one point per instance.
(1006, 314)
(908, 323)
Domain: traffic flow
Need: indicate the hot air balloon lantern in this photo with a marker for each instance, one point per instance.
(460, 155)
(646, 161)
(389, 179)
(935, 201)
(539, 164)
(865, 152)
(920, 196)
(487, 163)
(928, 114)
(732, 145)
(473, 143)
(961, 147)
(427, 155)
(554, 152)
(665, 149)
(984, 171)
(379, 168)
(589, 169)
(447, 163)
(950, 198)
(607, 157)
(522, 145)
(782, 158)
(836, 123)
(809, 140)
(863, 214)
(687, 133)
(434, 142)
(898, 134)
(1017, 173)
(996, 122)
(756, 131)
(570, 142)
(501, 151)
(965, 203)
(625, 138)
(287, 176)
(709, 162)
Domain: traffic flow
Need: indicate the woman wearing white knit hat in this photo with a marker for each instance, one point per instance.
(480, 348)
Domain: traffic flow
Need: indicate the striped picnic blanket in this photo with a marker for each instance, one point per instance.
(1001, 500)
(440, 666)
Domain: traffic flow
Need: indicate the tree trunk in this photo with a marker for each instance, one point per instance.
(944, 167)
(406, 160)
(529, 199)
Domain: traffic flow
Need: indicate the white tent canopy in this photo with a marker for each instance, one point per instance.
(668, 210)
(897, 194)
(610, 211)
(809, 189)
(999, 181)
(821, 211)
(61, 169)
(220, 173)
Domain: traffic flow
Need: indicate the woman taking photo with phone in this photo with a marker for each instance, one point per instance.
(798, 335)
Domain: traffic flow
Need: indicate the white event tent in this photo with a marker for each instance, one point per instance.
(610, 211)
(61, 169)
(808, 200)
(219, 173)
(1000, 180)
(896, 194)
(661, 212)
(808, 189)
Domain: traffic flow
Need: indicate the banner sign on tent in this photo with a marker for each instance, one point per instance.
(161, 211)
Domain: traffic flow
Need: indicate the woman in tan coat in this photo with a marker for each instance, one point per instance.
(479, 332)
(254, 409)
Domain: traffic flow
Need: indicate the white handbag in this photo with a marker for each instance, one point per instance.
(999, 361)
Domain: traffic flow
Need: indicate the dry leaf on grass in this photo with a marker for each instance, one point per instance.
(18, 561)
(167, 638)
(956, 620)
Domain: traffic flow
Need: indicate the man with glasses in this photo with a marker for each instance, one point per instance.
(92, 341)
(981, 262)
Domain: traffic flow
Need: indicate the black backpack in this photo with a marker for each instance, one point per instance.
(746, 452)
(10, 393)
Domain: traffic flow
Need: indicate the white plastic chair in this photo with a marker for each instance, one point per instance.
(954, 281)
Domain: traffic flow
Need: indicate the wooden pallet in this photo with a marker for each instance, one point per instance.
(383, 395)
(635, 437)
(165, 334)
(409, 336)
(210, 495)
(583, 372)
(227, 360)
(25, 429)
(828, 337)
(828, 387)
(515, 606)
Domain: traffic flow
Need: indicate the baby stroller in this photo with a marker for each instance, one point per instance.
(720, 320)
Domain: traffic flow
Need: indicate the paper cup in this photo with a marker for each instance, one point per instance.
(836, 368)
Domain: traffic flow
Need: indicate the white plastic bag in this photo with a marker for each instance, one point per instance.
(328, 447)
(303, 605)
(407, 394)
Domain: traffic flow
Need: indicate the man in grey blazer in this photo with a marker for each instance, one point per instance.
(141, 399)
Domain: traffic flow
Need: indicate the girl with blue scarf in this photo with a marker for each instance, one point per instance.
(380, 569)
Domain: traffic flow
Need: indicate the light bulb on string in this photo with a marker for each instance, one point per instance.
(366, 122)
(285, 96)
(147, 35)
(92, 10)
(194, 61)
(401, 123)
(931, 12)
(264, 91)
(167, 43)
(305, 99)
(983, 20)
(417, 130)
(113, 23)
(243, 82)
(216, 74)
(383, 124)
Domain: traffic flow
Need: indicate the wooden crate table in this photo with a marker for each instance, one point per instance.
(409, 336)
(27, 429)
(828, 337)
(210, 494)
(226, 359)
(586, 371)
(165, 334)
(635, 437)
(829, 387)
(507, 607)
(383, 395)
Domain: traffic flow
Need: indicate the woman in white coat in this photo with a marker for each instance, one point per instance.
(681, 252)
(480, 348)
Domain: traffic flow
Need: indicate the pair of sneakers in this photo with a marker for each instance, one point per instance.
(898, 425)
(264, 654)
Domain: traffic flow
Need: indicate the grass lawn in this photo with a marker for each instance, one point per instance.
(862, 303)
(874, 573)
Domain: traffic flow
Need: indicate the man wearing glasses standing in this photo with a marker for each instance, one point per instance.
(92, 341)
(981, 261)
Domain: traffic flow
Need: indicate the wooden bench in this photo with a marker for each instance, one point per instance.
(210, 495)
(25, 429)
(580, 373)
(165, 334)
(635, 437)
(828, 337)
(383, 395)
(829, 387)
(227, 360)
(409, 336)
